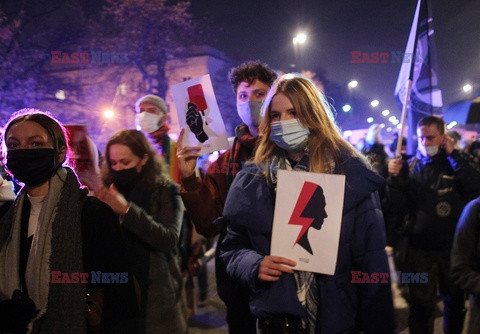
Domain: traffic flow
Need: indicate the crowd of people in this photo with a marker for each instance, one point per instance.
(120, 258)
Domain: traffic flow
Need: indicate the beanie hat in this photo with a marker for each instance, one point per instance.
(152, 99)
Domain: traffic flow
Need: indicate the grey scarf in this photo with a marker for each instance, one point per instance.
(56, 246)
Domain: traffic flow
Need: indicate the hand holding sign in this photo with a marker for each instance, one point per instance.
(272, 267)
(194, 122)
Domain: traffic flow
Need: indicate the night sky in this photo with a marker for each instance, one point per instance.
(264, 30)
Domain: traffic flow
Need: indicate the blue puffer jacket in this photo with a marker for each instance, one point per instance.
(344, 307)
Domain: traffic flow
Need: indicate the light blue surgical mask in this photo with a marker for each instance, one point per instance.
(249, 112)
(290, 135)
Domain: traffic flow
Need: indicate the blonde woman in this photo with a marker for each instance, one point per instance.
(298, 132)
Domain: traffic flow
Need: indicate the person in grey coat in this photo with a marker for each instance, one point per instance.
(151, 212)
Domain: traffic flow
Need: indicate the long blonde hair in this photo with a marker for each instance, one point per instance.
(325, 141)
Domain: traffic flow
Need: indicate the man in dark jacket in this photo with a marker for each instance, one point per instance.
(441, 180)
(204, 198)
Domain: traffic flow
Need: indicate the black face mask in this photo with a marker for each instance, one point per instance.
(125, 180)
(32, 166)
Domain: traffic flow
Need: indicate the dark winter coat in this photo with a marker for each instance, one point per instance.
(435, 193)
(152, 229)
(344, 306)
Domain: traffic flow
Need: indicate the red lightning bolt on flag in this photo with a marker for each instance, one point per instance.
(305, 195)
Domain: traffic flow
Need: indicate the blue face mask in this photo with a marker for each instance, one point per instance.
(290, 135)
(249, 112)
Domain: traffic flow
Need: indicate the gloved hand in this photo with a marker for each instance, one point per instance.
(16, 313)
(194, 122)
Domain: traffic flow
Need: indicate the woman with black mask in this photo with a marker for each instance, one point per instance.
(54, 234)
(151, 211)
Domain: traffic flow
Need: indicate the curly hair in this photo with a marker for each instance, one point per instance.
(250, 71)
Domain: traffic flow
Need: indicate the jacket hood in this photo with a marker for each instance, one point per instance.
(360, 182)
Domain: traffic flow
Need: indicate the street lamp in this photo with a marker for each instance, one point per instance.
(108, 113)
(374, 103)
(353, 84)
(451, 125)
(467, 88)
(301, 38)
(60, 95)
(346, 108)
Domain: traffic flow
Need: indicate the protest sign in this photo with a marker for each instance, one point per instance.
(307, 219)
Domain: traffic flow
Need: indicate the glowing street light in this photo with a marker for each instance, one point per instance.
(386, 112)
(467, 88)
(301, 38)
(374, 103)
(108, 113)
(353, 84)
(60, 94)
(347, 108)
(451, 125)
(298, 47)
(370, 120)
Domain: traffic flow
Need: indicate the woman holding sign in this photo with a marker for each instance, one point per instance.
(298, 133)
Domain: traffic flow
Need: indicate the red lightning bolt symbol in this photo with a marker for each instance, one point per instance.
(305, 195)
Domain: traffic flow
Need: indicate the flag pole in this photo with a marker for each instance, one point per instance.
(404, 118)
(409, 85)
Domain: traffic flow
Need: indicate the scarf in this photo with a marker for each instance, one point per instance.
(159, 138)
(306, 281)
(241, 151)
(56, 246)
(166, 148)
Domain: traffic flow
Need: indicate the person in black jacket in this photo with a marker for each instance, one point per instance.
(441, 180)
(465, 259)
(54, 240)
(204, 197)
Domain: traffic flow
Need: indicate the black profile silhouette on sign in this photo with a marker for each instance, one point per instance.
(309, 212)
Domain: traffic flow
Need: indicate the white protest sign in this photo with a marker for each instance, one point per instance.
(198, 114)
(307, 219)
